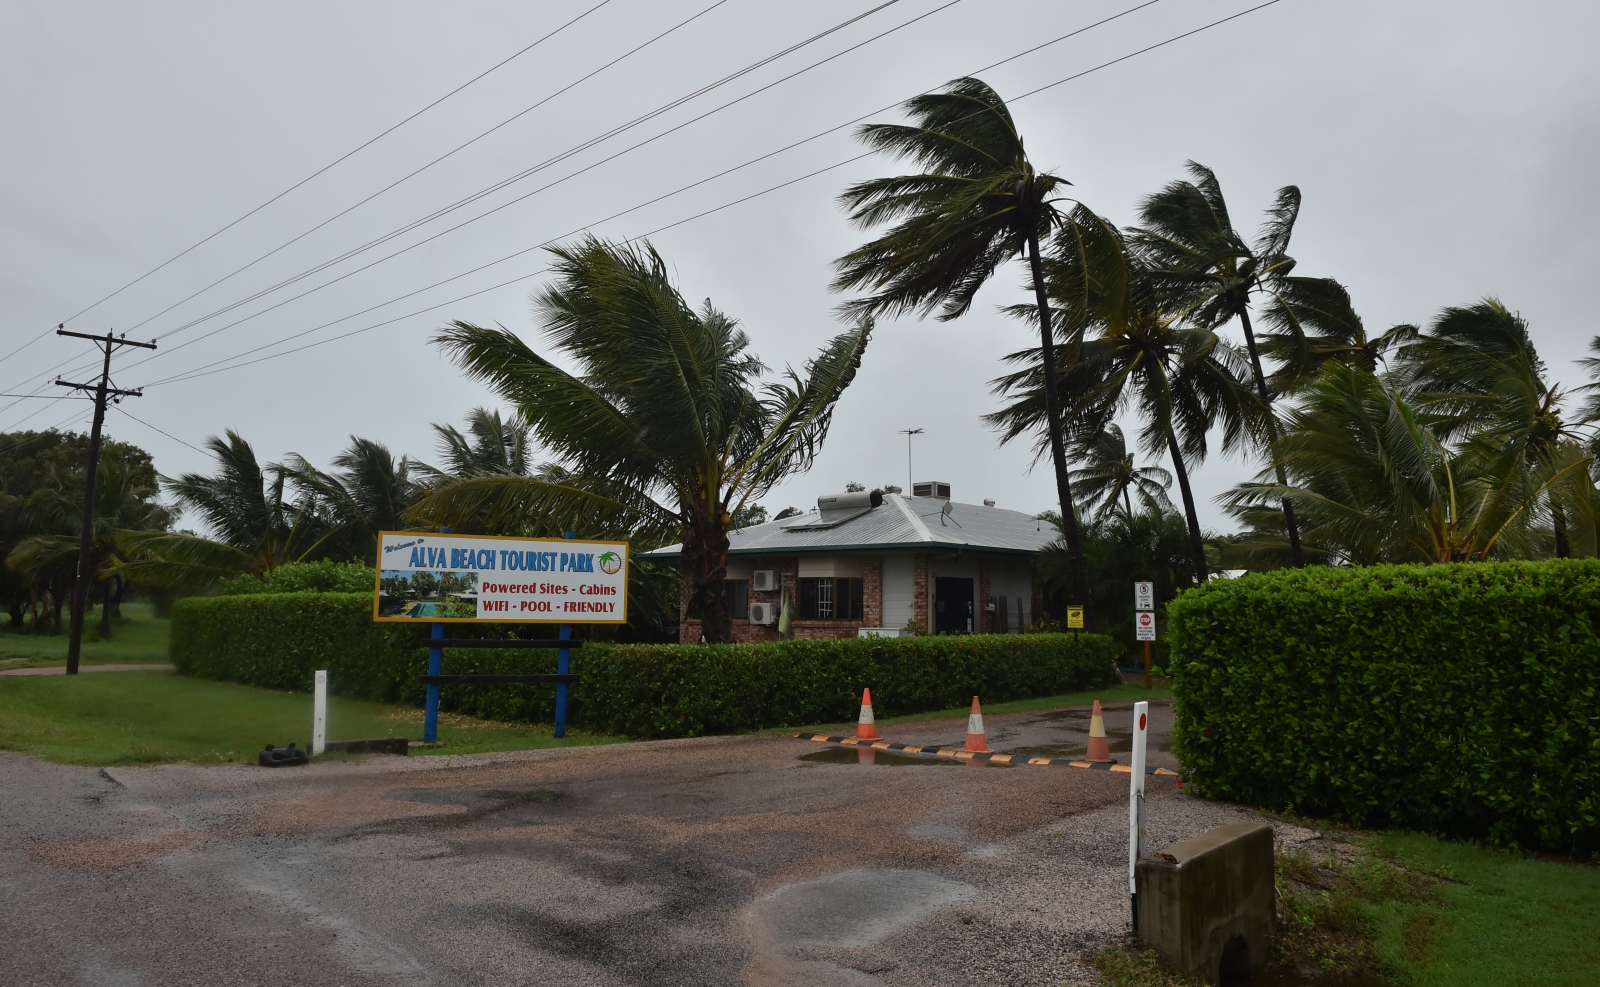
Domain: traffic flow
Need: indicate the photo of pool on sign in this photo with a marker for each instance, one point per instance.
(427, 595)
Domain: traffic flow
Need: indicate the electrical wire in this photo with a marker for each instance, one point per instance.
(169, 435)
(206, 371)
(319, 171)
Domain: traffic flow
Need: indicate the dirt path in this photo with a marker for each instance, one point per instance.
(62, 669)
(729, 860)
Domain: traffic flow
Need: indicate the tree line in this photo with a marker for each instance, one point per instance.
(1437, 443)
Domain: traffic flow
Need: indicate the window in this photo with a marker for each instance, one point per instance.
(737, 593)
(831, 599)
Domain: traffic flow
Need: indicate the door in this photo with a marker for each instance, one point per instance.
(952, 605)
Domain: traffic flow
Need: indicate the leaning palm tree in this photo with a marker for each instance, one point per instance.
(667, 427)
(978, 204)
(491, 444)
(1189, 239)
(369, 491)
(1111, 475)
(1476, 369)
(1127, 343)
(1311, 322)
(1377, 478)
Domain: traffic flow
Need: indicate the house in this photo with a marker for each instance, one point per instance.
(865, 563)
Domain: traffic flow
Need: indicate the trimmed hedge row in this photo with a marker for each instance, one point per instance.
(1454, 698)
(639, 690)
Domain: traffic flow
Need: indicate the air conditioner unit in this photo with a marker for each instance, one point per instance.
(763, 613)
(766, 581)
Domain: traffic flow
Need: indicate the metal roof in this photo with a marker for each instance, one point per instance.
(911, 523)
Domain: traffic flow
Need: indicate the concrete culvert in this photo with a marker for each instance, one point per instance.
(1235, 966)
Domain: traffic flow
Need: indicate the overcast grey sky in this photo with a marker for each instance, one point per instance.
(1445, 151)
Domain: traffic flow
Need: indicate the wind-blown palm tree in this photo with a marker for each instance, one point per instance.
(1126, 343)
(369, 493)
(978, 203)
(1376, 477)
(1477, 370)
(1189, 237)
(491, 444)
(1111, 475)
(667, 427)
(1311, 322)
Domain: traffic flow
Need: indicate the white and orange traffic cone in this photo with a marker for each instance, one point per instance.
(1099, 751)
(866, 727)
(976, 742)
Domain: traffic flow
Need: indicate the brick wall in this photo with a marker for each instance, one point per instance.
(919, 587)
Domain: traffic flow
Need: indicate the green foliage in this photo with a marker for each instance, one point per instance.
(641, 690)
(325, 576)
(1459, 699)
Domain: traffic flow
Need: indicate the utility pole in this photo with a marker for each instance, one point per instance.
(103, 391)
(908, 433)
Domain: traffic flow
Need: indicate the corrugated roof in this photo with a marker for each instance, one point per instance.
(901, 522)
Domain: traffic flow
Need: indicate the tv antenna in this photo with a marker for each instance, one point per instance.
(908, 433)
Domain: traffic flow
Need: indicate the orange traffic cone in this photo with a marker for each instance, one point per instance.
(1099, 752)
(866, 728)
(976, 742)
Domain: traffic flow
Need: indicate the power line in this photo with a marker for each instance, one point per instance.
(547, 163)
(835, 129)
(314, 174)
(413, 174)
(169, 435)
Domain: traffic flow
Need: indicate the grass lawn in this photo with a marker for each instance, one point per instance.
(1110, 694)
(148, 717)
(139, 639)
(1497, 919)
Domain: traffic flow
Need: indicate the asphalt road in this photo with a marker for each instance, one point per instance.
(725, 860)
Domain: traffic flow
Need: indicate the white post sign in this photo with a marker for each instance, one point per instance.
(1144, 596)
(1144, 624)
(431, 579)
(319, 714)
(1141, 734)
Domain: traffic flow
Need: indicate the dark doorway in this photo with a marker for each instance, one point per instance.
(952, 605)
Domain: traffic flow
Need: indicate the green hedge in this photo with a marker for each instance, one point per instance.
(639, 690)
(1454, 698)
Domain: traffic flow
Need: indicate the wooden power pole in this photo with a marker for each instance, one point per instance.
(103, 392)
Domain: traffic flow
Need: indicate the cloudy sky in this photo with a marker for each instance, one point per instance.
(1445, 152)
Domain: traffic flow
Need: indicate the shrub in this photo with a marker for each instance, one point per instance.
(640, 690)
(1453, 698)
(325, 576)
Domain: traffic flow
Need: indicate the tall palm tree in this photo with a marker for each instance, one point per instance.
(1476, 368)
(1311, 322)
(1111, 475)
(1128, 342)
(1188, 237)
(978, 203)
(491, 444)
(667, 427)
(1376, 476)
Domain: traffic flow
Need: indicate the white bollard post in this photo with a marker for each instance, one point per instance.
(319, 714)
(1141, 733)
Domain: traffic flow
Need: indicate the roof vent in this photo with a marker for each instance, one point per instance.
(835, 509)
(931, 488)
(988, 502)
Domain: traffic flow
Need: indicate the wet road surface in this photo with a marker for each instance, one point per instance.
(724, 860)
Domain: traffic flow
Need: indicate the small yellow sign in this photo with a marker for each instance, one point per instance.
(1074, 618)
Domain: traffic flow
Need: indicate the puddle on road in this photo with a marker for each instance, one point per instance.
(886, 759)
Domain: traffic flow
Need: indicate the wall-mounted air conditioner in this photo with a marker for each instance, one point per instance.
(766, 581)
(763, 613)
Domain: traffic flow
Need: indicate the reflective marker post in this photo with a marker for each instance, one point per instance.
(319, 713)
(1141, 733)
(563, 661)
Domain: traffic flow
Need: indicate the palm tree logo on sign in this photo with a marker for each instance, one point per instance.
(609, 563)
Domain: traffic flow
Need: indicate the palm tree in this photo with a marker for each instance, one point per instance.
(370, 493)
(1477, 368)
(1311, 322)
(491, 444)
(978, 204)
(1376, 477)
(1188, 236)
(1128, 342)
(667, 428)
(257, 527)
(1111, 474)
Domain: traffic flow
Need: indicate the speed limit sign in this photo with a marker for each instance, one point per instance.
(1145, 624)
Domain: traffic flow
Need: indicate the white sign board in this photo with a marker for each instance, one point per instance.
(1144, 596)
(431, 578)
(1145, 623)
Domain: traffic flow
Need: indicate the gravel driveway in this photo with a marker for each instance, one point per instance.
(722, 860)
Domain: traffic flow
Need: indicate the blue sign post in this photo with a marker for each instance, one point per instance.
(430, 719)
(563, 660)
